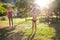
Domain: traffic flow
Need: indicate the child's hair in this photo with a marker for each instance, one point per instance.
(9, 8)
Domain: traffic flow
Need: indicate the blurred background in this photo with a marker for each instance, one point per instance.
(48, 19)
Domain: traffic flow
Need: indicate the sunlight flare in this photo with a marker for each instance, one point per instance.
(43, 3)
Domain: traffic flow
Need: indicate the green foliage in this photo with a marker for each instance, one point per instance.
(24, 6)
(2, 9)
(43, 31)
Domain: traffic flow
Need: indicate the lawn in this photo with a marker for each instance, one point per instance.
(43, 30)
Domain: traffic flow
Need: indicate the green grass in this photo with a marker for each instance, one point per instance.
(15, 20)
(43, 32)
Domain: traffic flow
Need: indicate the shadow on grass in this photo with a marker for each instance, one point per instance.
(31, 36)
(4, 33)
(16, 36)
(57, 28)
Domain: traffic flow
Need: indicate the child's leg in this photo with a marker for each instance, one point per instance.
(35, 26)
(12, 21)
(32, 26)
(9, 22)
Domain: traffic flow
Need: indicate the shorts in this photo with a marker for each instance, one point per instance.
(9, 16)
(34, 20)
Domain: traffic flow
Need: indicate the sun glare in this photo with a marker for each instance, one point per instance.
(43, 3)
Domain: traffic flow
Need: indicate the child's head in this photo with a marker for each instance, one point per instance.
(9, 8)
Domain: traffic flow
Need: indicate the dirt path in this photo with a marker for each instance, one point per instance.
(4, 25)
(16, 34)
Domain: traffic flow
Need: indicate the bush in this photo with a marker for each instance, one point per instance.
(2, 9)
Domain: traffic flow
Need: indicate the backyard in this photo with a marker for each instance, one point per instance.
(23, 30)
(29, 19)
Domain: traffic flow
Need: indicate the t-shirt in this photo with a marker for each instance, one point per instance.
(9, 13)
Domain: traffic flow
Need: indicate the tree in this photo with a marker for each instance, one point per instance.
(57, 10)
(24, 6)
(2, 9)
